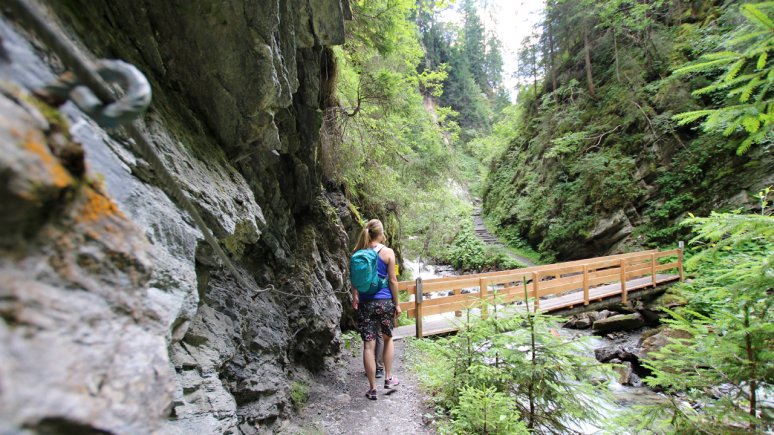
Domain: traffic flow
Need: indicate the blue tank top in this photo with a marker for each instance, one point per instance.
(384, 293)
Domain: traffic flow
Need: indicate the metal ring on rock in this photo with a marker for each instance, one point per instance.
(134, 102)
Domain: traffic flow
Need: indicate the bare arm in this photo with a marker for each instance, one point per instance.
(355, 298)
(393, 279)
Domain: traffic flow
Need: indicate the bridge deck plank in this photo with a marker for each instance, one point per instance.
(446, 323)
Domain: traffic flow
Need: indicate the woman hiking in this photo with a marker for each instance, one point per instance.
(376, 303)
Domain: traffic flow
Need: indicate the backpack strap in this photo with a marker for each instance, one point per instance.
(378, 248)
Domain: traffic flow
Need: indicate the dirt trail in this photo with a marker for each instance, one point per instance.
(337, 403)
(490, 239)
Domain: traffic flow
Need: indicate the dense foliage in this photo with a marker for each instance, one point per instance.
(511, 374)
(592, 158)
(721, 374)
(466, 252)
(387, 142)
(379, 142)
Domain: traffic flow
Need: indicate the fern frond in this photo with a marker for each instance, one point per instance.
(721, 55)
(751, 123)
(748, 90)
(762, 60)
(758, 48)
(757, 16)
(703, 66)
(688, 117)
(744, 146)
(747, 37)
(734, 69)
(762, 93)
(722, 85)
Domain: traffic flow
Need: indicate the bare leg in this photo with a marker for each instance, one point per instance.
(388, 353)
(369, 362)
(379, 351)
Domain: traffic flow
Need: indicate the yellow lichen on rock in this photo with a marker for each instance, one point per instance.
(97, 206)
(59, 176)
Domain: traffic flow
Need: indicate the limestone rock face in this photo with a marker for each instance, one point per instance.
(115, 316)
(83, 339)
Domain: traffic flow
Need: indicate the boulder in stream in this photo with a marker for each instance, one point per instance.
(655, 342)
(615, 354)
(604, 314)
(621, 322)
(581, 321)
(623, 307)
(626, 374)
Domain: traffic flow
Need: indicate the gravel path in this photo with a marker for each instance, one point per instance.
(337, 403)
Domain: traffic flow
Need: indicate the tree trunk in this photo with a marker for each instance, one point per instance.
(615, 54)
(587, 51)
(551, 55)
(751, 359)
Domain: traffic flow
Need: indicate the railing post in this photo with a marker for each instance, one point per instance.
(418, 306)
(680, 247)
(624, 295)
(457, 291)
(483, 294)
(535, 286)
(585, 284)
(653, 268)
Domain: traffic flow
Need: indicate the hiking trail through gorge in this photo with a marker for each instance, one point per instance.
(487, 237)
(337, 402)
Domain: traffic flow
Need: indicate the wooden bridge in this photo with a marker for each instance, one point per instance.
(550, 287)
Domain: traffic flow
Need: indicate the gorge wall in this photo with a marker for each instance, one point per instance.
(598, 165)
(116, 315)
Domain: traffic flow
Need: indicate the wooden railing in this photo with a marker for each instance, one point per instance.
(544, 280)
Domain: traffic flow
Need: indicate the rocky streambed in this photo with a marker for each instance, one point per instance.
(625, 334)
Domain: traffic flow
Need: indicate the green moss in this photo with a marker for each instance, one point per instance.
(52, 115)
(299, 394)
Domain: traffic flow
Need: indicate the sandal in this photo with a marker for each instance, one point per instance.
(371, 394)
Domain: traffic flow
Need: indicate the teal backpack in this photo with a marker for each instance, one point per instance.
(363, 272)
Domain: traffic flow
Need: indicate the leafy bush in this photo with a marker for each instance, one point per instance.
(467, 253)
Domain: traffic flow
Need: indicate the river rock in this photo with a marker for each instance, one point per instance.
(581, 321)
(604, 314)
(669, 299)
(658, 340)
(621, 322)
(614, 353)
(623, 308)
(627, 375)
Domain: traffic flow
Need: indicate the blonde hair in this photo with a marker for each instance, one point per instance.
(372, 232)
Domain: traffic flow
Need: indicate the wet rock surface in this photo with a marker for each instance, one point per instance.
(84, 341)
(620, 322)
(658, 339)
(116, 316)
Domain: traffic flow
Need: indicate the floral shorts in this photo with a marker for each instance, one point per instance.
(373, 316)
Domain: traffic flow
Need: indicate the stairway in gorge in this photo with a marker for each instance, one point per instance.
(485, 236)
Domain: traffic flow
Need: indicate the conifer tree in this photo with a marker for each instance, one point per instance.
(746, 80)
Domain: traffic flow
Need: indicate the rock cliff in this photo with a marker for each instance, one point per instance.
(116, 316)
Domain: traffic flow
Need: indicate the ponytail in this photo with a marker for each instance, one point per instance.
(372, 231)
